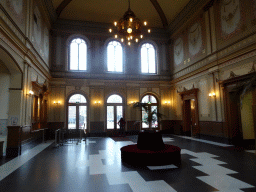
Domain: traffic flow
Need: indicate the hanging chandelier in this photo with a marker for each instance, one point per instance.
(129, 28)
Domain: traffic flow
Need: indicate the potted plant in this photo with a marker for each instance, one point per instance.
(150, 117)
(150, 139)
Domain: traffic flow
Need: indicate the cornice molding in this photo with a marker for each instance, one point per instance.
(187, 12)
(51, 11)
(101, 29)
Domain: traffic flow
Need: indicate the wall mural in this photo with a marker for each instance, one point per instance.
(178, 51)
(46, 43)
(195, 38)
(37, 26)
(230, 16)
(16, 8)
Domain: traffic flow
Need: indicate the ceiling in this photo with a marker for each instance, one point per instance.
(158, 13)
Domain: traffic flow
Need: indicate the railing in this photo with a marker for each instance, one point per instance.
(63, 136)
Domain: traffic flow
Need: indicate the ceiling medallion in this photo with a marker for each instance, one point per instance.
(129, 28)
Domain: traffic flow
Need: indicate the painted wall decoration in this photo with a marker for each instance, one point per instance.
(178, 51)
(37, 26)
(230, 16)
(16, 9)
(46, 43)
(195, 41)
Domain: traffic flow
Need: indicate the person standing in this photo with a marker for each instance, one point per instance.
(122, 123)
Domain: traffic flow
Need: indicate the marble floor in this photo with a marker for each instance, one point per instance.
(95, 165)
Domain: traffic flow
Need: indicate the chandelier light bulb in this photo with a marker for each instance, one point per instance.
(129, 30)
(129, 27)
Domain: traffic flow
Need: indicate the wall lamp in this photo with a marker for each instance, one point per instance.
(54, 102)
(212, 94)
(30, 93)
(167, 102)
(97, 102)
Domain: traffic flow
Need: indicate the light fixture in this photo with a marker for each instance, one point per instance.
(129, 27)
(212, 94)
(167, 102)
(30, 93)
(97, 102)
(56, 103)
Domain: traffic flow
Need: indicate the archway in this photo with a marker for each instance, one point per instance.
(152, 104)
(77, 112)
(115, 111)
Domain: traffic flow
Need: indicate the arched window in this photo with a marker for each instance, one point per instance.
(78, 55)
(77, 112)
(152, 104)
(115, 56)
(148, 58)
(114, 111)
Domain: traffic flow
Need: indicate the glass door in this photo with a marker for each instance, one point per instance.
(114, 111)
(77, 112)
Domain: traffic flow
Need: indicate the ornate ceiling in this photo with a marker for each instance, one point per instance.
(158, 13)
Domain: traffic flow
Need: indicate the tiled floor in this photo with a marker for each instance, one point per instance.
(95, 165)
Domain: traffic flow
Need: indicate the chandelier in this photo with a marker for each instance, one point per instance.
(129, 28)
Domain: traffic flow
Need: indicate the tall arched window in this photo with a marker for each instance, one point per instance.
(152, 105)
(77, 112)
(148, 58)
(115, 56)
(114, 111)
(78, 55)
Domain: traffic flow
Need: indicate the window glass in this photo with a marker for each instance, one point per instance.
(77, 98)
(149, 98)
(78, 54)
(148, 58)
(114, 99)
(115, 56)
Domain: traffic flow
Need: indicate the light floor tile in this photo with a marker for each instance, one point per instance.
(214, 170)
(224, 182)
(162, 167)
(206, 141)
(7, 168)
(251, 151)
(160, 186)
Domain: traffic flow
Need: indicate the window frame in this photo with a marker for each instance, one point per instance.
(69, 41)
(77, 105)
(123, 57)
(157, 104)
(156, 57)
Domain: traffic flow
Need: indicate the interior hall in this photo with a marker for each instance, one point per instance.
(181, 69)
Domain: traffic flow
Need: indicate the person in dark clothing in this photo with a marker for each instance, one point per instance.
(122, 123)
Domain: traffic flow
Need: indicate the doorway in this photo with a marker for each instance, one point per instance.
(190, 113)
(77, 112)
(114, 111)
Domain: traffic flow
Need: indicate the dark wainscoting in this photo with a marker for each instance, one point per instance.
(52, 126)
(97, 127)
(212, 128)
(22, 138)
(133, 126)
(176, 127)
